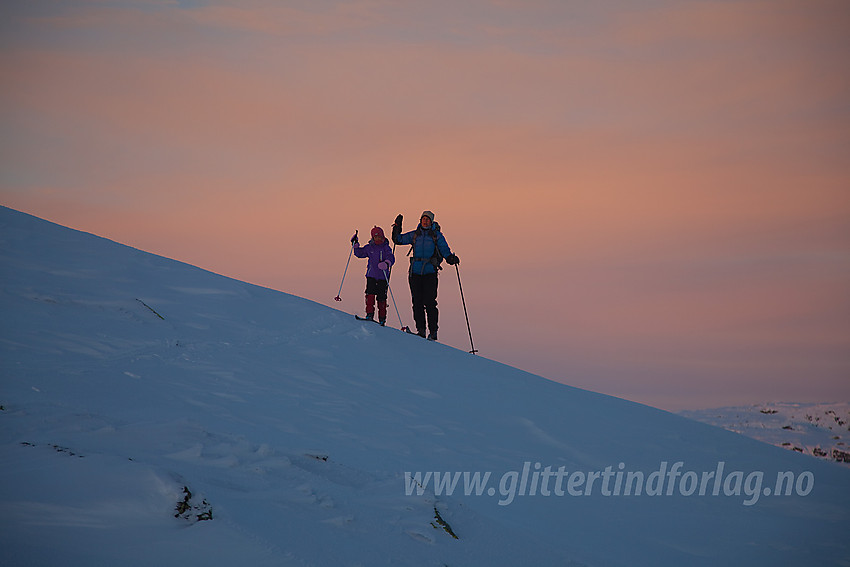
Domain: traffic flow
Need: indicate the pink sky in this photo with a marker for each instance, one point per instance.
(650, 200)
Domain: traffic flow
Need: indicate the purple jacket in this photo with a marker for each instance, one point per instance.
(376, 254)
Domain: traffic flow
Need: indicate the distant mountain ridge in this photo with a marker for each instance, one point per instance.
(820, 430)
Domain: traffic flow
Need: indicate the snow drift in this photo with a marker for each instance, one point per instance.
(156, 413)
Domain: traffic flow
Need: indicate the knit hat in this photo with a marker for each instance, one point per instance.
(428, 214)
(377, 231)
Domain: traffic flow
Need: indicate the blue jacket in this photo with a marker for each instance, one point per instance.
(376, 255)
(423, 249)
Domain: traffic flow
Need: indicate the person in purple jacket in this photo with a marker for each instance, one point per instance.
(377, 271)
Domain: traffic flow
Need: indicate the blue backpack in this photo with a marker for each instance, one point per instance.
(437, 257)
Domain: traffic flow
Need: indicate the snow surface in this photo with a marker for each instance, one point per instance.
(129, 381)
(819, 430)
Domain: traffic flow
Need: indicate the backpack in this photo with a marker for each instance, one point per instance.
(437, 257)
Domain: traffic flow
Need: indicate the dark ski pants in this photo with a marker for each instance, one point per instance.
(376, 289)
(423, 291)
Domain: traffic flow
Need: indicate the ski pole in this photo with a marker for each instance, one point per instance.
(473, 351)
(338, 298)
(403, 328)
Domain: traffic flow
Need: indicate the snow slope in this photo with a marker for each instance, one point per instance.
(129, 381)
(820, 430)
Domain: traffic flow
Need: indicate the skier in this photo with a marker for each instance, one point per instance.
(429, 249)
(377, 271)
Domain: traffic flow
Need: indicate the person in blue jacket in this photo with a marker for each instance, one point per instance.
(377, 271)
(429, 249)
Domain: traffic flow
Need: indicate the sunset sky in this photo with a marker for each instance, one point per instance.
(649, 199)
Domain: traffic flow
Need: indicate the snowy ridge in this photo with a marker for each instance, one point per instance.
(819, 430)
(153, 413)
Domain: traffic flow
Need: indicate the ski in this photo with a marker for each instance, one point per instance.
(405, 329)
(359, 318)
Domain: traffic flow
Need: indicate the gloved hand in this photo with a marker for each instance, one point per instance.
(396, 229)
(354, 240)
(383, 266)
(452, 260)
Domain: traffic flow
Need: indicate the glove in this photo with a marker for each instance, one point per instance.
(383, 266)
(396, 229)
(453, 260)
(354, 241)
